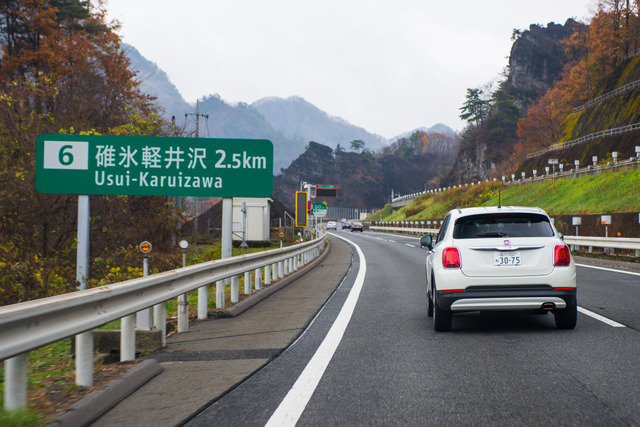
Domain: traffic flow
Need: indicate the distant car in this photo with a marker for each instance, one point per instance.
(346, 224)
(356, 226)
(496, 259)
(332, 225)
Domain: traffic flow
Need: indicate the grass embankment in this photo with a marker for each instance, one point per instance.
(51, 369)
(609, 192)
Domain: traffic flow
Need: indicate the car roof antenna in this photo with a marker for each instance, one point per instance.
(499, 203)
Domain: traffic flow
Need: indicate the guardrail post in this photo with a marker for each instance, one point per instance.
(144, 317)
(84, 359)
(235, 289)
(15, 382)
(183, 313)
(267, 274)
(183, 300)
(128, 338)
(203, 300)
(281, 269)
(274, 271)
(247, 283)
(220, 294)
(258, 275)
(160, 320)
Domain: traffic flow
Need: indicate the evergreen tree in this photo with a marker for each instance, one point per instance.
(475, 107)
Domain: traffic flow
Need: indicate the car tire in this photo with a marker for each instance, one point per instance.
(429, 305)
(441, 318)
(567, 318)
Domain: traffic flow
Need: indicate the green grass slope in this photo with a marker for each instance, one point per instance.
(609, 192)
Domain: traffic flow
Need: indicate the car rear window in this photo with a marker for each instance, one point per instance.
(502, 225)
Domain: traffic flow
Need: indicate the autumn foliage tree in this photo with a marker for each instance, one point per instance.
(62, 71)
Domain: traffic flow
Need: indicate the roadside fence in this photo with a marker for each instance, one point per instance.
(590, 242)
(551, 172)
(29, 325)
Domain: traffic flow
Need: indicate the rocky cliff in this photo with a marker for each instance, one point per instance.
(536, 60)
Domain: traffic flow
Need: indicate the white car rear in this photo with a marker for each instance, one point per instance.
(499, 258)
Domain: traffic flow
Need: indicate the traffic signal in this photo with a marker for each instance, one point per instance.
(301, 208)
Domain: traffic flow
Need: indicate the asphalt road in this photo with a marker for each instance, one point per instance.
(382, 363)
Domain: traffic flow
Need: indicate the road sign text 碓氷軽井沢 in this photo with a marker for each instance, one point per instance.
(154, 166)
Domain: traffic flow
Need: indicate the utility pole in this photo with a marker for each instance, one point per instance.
(197, 115)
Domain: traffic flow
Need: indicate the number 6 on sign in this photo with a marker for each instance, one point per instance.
(66, 155)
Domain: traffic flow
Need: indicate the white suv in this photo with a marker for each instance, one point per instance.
(499, 258)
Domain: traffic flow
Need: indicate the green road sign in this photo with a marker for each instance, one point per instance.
(154, 166)
(320, 209)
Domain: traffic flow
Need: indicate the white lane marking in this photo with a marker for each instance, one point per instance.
(294, 403)
(609, 269)
(410, 245)
(392, 241)
(601, 318)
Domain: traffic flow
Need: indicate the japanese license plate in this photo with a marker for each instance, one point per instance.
(507, 258)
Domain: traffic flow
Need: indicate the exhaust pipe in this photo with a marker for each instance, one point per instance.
(548, 306)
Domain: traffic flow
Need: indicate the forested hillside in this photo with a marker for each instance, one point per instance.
(366, 178)
(551, 71)
(487, 143)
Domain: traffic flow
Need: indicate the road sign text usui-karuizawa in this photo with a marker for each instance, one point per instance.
(154, 166)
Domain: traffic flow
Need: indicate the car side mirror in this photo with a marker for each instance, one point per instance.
(426, 241)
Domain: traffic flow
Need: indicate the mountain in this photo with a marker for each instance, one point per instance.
(243, 121)
(155, 82)
(297, 118)
(437, 128)
(407, 166)
(291, 123)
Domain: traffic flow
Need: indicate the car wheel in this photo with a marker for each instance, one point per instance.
(441, 318)
(429, 305)
(567, 318)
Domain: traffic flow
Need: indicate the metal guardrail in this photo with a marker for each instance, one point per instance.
(407, 199)
(33, 324)
(605, 242)
(596, 135)
(588, 241)
(618, 91)
(405, 229)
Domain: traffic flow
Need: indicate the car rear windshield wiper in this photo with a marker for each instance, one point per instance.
(492, 234)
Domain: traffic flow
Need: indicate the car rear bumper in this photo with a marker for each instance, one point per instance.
(506, 298)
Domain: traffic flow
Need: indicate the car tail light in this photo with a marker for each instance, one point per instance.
(451, 258)
(561, 255)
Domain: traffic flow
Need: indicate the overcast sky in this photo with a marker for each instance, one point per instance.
(389, 66)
